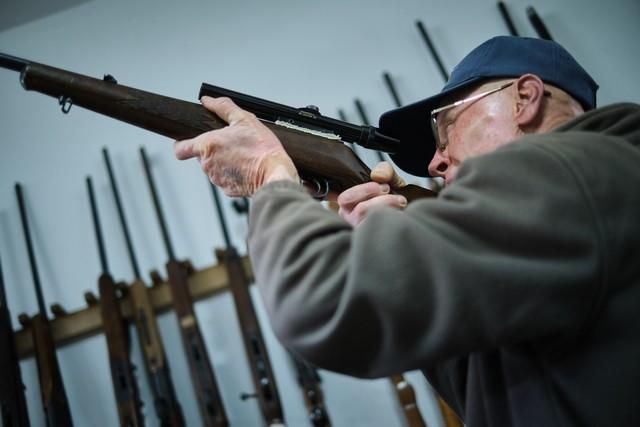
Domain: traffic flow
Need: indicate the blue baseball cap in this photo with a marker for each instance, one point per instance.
(502, 56)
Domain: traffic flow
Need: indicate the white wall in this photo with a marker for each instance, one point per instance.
(294, 52)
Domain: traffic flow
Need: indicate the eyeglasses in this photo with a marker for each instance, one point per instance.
(434, 114)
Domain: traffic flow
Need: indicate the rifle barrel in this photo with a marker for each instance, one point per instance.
(156, 205)
(96, 226)
(12, 62)
(123, 221)
(54, 396)
(32, 257)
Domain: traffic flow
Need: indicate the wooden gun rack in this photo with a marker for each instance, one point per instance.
(73, 326)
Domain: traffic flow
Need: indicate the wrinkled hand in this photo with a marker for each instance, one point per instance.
(357, 201)
(241, 157)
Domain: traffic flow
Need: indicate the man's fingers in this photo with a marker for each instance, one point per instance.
(361, 210)
(383, 172)
(185, 149)
(224, 108)
(359, 193)
(195, 147)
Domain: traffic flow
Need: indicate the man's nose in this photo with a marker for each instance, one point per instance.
(438, 165)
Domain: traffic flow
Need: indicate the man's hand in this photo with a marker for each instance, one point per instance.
(241, 157)
(357, 201)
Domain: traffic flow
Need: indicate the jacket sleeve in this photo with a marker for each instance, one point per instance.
(502, 256)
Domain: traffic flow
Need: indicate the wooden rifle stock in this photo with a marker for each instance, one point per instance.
(54, 396)
(115, 330)
(13, 403)
(316, 157)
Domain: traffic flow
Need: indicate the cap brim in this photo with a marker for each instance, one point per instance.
(411, 125)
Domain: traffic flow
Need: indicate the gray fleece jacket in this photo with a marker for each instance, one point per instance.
(516, 291)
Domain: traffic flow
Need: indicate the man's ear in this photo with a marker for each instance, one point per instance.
(529, 93)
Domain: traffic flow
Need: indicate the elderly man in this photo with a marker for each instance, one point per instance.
(516, 291)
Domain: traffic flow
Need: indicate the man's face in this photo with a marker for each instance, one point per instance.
(472, 129)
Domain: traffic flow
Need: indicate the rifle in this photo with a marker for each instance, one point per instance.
(13, 403)
(164, 396)
(307, 375)
(309, 382)
(115, 330)
(202, 375)
(313, 142)
(255, 347)
(54, 396)
(538, 24)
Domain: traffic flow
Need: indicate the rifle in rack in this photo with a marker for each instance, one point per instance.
(315, 143)
(54, 396)
(13, 403)
(202, 375)
(164, 396)
(255, 347)
(307, 375)
(309, 381)
(116, 333)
